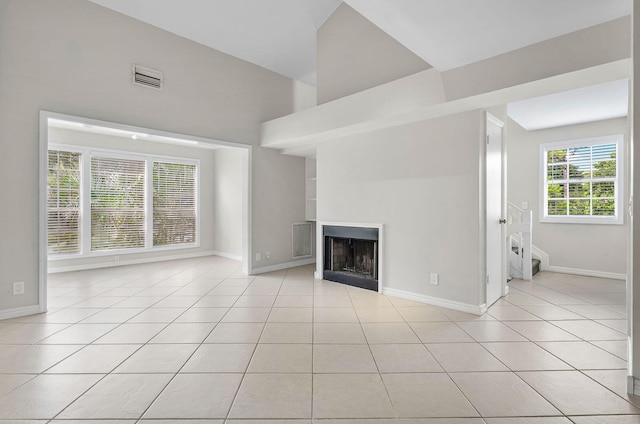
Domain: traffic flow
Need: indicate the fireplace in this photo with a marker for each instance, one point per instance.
(351, 256)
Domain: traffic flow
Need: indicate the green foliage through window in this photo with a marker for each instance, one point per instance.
(581, 180)
(119, 185)
(117, 203)
(63, 202)
(174, 203)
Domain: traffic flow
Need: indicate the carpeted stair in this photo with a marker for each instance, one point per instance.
(535, 263)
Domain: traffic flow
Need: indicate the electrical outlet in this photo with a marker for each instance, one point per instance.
(258, 256)
(525, 206)
(268, 255)
(434, 279)
(18, 288)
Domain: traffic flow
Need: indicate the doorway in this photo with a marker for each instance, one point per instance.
(95, 138)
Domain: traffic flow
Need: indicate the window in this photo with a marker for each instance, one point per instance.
(63, 202)
(133, 203)
(174, 203)
(582, 181)
(117, 203)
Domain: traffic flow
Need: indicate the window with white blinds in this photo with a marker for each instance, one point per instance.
(117, 203)
(582, 181)
(174, 203)
(131, 202)
(63, 202)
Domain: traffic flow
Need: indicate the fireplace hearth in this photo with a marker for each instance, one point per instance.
(351, 256)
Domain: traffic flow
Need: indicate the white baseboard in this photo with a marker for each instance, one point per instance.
(546, 266)
(129, 262)
(586, 272)
(435, 301)
(285, 265)
(20, 312)
(227, 255)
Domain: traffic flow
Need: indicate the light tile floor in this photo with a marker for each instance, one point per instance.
(195, 341)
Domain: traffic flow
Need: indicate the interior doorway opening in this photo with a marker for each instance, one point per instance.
(220, 194)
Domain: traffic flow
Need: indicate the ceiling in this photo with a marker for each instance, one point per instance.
(280, 35)
(594, 103)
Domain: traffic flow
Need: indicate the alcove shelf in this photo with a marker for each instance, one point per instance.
(310, 188)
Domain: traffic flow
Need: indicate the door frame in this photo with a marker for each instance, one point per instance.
(504, 289)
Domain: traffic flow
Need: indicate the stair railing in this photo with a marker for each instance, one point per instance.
(519, 228)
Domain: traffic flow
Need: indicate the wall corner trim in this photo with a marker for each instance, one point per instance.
(633, 385)
(436, 301)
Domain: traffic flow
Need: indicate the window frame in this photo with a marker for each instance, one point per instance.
(86, 152)
(618, 217)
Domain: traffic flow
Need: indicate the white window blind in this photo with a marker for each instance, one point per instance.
(582, 180)
(117, 203)
(63, 202)
(174, 203)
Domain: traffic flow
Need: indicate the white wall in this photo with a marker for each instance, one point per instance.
(228, 165)
(596, 45)
(275, 192)
(592, 247)
(75, 57)
(421, 181)
(354, 55)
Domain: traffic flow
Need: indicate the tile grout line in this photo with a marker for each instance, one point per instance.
(244, 375)
(91, 386)
(192, 353)
(141, 346)
(100, 379)
(361, 323)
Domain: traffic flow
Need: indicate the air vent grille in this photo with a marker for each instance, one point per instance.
(147, 77)
(301, 237)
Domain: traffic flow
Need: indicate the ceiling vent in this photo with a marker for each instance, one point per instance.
(147, 77)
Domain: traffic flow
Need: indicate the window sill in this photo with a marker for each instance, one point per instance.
(590, 220)
(120, 252)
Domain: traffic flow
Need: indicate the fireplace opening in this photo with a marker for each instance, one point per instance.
(354, 256)
(351, 256)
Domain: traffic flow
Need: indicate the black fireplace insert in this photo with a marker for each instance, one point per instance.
(351, 256)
